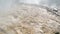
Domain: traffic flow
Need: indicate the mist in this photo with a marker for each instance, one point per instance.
(6, 4)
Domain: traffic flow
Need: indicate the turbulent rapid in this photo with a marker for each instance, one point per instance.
(23, 17)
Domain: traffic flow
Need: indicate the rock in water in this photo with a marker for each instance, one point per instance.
(30, 19)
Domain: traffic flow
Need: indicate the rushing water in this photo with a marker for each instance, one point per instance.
(6, 5)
